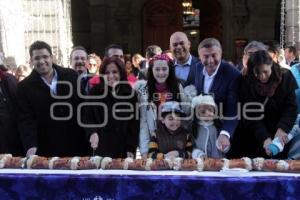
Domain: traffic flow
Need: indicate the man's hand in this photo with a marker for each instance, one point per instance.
(267, 142)
(282, 136)
(31, 151)
(223, 143)
(94, 140)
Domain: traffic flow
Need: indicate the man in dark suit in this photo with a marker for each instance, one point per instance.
(219, 78)
(79, 62)
(47, 104)
(185, 63)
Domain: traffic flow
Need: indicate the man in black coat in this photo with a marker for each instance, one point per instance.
(47, 104)
(10, 141)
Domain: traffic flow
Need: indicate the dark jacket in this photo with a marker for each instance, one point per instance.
(116, 136)
(280, 111)
(52, 137)
(225, 90)
(10, 141)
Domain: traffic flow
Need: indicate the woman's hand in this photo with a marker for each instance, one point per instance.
(94, 140)
(282, 136)
(267, 142)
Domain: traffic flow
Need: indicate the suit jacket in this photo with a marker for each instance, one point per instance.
(225, 89)
(191, 77)
(38, 129)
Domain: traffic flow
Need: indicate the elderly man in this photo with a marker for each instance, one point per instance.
(47, 107)
(216, 77)
(185, 63)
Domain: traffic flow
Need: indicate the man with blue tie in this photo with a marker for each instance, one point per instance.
(185, 63)
(217, 77)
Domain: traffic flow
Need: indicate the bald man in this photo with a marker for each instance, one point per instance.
(185, 63)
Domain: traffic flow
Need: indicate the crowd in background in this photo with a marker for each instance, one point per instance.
(167, 104)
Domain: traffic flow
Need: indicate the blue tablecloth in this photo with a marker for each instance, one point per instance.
(97, 187)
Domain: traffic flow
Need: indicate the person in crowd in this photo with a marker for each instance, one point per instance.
(10, 141)
(290, 54)
(170, 140)
(22, 72)
(138, 63)
(217, 77)
(131, 77)
(79, 62)
(269, 92)
(115, 127)
(169, 53)
(47, 109)
(273, 48)
(249, 49)
(94, 63)
(115, 50)
(185, 63)
(294, 151)
(206, 129)
(160, 87)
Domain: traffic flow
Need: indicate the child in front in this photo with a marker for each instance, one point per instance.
(170, 140)
(205, 131)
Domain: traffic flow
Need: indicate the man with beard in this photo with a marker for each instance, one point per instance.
(47, 107)
(185, 63)
(218, 78)
(79, 62)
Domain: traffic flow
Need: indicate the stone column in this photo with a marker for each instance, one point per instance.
(292, 23)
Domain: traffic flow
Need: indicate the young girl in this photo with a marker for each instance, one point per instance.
(170, 139)
(206, 131)
(162, 86)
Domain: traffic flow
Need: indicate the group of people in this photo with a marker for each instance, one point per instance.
(166, 106)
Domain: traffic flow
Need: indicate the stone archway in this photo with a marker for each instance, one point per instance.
(160, 18)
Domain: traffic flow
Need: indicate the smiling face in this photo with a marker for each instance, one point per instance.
(112, 74)
(210, 58)
(42, 61)
(79, 61)
(160, 71)
(180, 46)
(172, 121)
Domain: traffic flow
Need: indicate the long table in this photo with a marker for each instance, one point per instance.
(126, 184)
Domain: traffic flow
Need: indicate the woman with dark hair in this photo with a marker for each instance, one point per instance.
(10, 141)
(113, 126)
(162, 86)
(269, 91)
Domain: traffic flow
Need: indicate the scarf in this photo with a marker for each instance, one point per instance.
(267, 89)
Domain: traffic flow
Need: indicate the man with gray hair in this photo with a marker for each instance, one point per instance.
(220, 79)
(249, 49)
